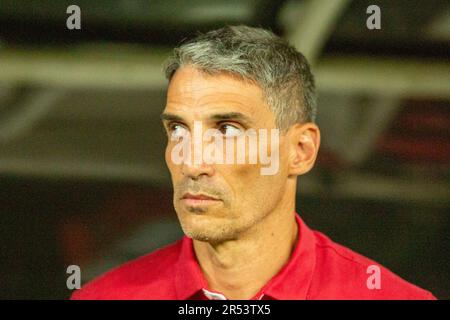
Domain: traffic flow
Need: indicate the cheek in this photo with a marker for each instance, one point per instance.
(252, 189)
(244, 179)
(167, 154)
(168, 157)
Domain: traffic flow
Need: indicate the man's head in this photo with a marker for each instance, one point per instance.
(232, 80)
(257, 55)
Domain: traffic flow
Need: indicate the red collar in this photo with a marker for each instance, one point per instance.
(290, 283)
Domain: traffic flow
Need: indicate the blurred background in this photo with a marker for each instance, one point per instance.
(82, 173)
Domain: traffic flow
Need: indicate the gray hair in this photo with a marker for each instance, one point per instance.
(260, 56)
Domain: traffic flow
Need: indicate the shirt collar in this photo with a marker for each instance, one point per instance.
(290, 283)
(189, 277)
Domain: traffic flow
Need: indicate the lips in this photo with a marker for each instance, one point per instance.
(199, 196)
(199, 200)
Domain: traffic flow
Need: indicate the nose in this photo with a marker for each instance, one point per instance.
(196, 162)
(196, 170)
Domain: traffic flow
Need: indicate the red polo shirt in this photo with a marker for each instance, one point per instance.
(318, 269)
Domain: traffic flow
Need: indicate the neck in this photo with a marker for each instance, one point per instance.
(240, 268)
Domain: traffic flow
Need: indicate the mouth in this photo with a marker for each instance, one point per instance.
(200, 199)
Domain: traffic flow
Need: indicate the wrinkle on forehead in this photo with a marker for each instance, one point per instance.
(196, 92)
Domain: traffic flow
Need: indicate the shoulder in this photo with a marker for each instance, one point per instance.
(147, 277)
(341, 273)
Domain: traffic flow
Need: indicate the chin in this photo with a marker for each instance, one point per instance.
(204, 228)
(209, 237)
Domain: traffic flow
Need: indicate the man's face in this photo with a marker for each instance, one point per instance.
(242, 196)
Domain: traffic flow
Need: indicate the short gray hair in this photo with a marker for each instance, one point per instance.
(258, 55)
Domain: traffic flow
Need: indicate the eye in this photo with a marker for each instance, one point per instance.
(230, 130)
(177, 131)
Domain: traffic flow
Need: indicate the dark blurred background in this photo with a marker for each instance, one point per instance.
(82, 173)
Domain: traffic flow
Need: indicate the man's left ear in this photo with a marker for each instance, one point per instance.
(304, 142)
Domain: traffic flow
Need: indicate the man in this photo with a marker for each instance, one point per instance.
(244, 239)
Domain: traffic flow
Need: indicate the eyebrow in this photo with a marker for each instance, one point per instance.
(231, 116)
(215, 117)
(170, 117)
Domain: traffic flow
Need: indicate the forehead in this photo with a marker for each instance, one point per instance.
(197, 93)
